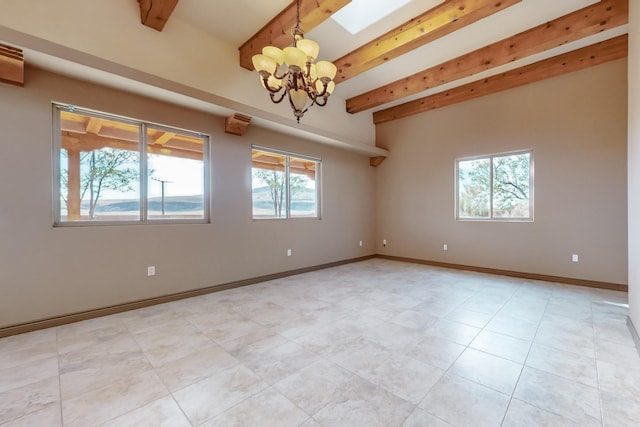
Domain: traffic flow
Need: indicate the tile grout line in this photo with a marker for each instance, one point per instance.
(240, 362)
(167, 387)
(153, 369)
(595, 360)
(59, 378)
(552, 374)
(468, 346)
(524, 362)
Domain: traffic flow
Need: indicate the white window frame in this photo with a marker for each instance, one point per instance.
(142, 153)
(491, 216)
(288, 155)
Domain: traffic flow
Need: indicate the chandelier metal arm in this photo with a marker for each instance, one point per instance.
(324, 93)
(275, 100)
(280, 77)
(265, 80)
(292, 83)
(323, 103)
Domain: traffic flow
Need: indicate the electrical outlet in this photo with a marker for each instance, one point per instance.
(575, 258)
(151, 270)
(384, 242)
(445, 247)
(360, 243)
(288, 252)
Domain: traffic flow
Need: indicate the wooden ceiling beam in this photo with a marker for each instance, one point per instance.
(89, 142)
(176, 144)
(94, 125)
(437, 22)
(156, 13)
(278, 31)
(72, 126)
(164, 138)
(599, 53)
(11, 65)
(376, 161)
(237, 124)
(605, 15)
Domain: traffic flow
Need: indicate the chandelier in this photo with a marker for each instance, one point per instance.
(292, 73)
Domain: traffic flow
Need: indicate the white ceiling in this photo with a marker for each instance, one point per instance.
(234, 22)
(230, 22)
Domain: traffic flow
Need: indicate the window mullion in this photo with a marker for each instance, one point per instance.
(491, 166)
(207, 176)
(318, 193)
(287, 182)
(143, 172)
(531, 188)
(57, 145)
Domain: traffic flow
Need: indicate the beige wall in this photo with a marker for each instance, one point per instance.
(634, 164)
(577, 126)
(47, 271)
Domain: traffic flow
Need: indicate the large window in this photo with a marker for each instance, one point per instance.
(113, 170)
(284, 185)
(495, 187)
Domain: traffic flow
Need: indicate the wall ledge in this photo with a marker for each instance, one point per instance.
(72, 63)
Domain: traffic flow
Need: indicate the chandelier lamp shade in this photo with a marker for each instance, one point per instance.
(292, 73)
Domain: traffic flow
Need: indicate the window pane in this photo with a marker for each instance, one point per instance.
(302, 187)
(175, 184)
(474, 188)
(99, 169)
(511, 186)
(268, 183)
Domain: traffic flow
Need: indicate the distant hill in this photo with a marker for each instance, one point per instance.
(265, 192)
(305, 200)
(171, 204)
(261, 199)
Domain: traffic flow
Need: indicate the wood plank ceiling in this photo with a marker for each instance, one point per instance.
(450, 16)
(441, 20)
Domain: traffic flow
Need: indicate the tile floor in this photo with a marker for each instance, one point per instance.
(375, 343)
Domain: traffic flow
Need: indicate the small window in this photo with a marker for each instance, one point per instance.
(284, 185)
(113, 170)
(495, 187)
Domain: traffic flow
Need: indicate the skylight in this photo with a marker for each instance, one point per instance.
(359, 14)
